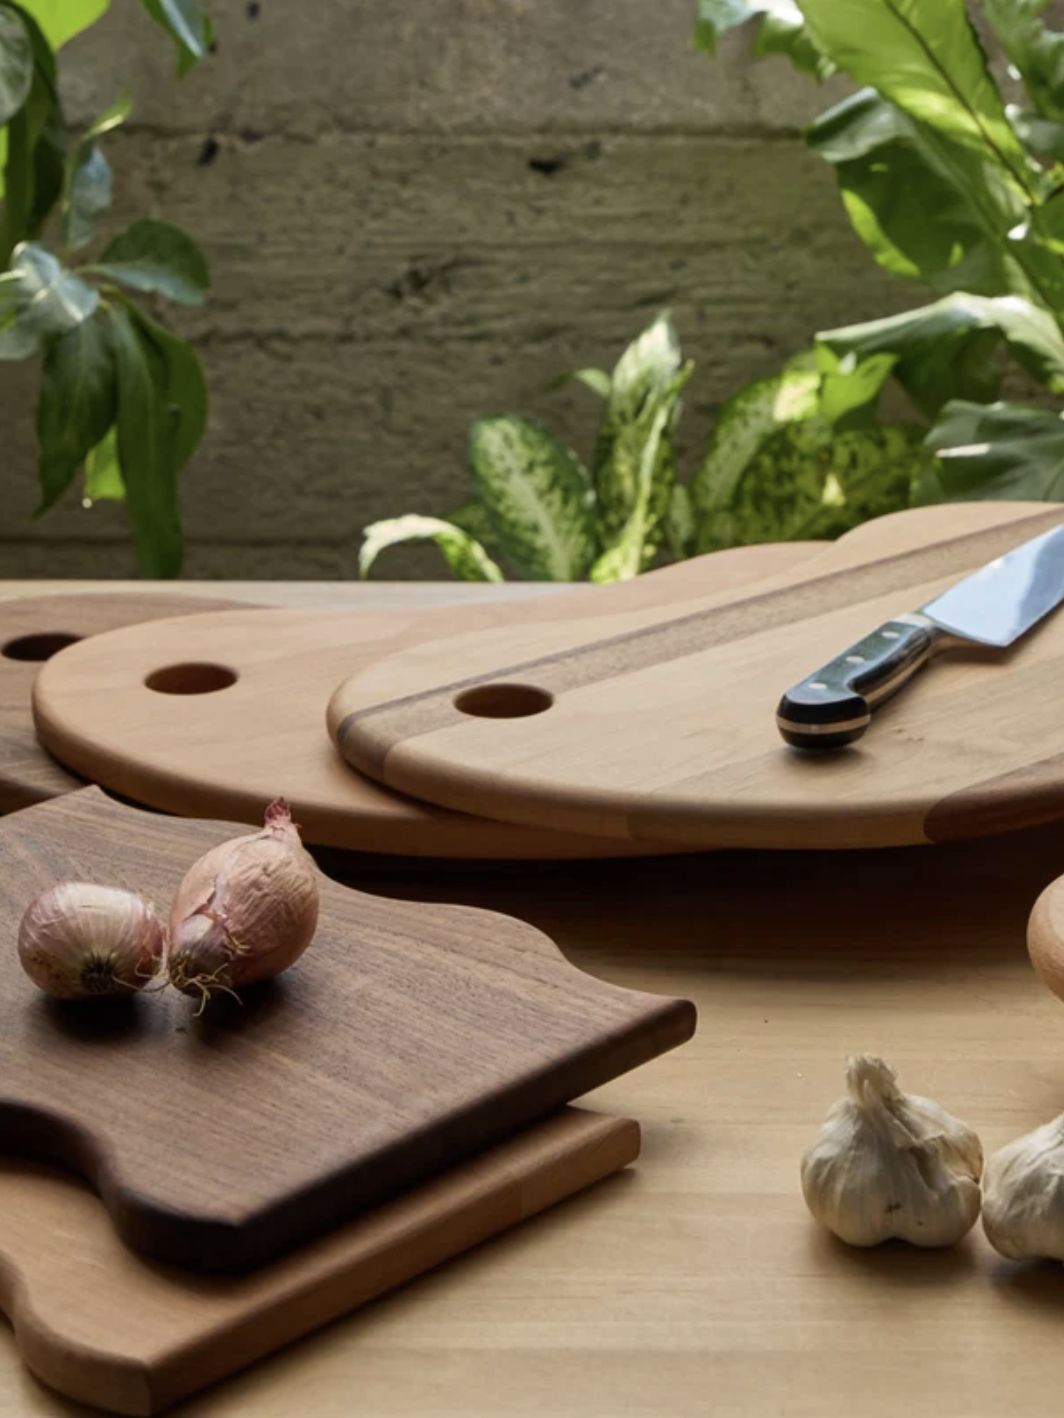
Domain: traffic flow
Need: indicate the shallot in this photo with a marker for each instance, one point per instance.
(80, 941)
(245, 911)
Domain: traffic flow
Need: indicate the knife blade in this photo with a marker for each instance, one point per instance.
(994, 606)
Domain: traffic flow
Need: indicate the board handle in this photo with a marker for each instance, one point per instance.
(833, 707)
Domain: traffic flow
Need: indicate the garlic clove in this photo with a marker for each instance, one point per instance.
(888, 1165)
(1023, 1197)
(78, 940)
(245, 911)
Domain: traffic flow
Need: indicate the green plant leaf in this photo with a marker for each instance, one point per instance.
(145, 448)
(807, 480)
(1043, 136)
(88, 182)
(926, 207)
(182, 384)
(1035, 51)
(849, 389)
(187, 25)
(650, 441)
(36, 150)
(995, 452)
(781, 30)
(16, 63)
(645, 370)
(944, 350)
(472, 517)
(155, 256)
(103, 476)
(597, 380)
(680, 526)
(536, 494)
(61, 20)
(926, 58)
(77, 404)
(49, 299)
(16, 340)
(745, 422)
(463, 553)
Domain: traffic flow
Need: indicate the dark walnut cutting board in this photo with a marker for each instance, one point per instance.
(105, 1327)
(407, 1039)
(210, 716)
(667, 733)
(34, 629)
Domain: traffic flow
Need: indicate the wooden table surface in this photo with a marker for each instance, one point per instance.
(697, 1284)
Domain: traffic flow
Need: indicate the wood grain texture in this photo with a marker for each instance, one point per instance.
(406, 1040)
(666, 732)
(222, 754)
(30, 631)
(100, 1325)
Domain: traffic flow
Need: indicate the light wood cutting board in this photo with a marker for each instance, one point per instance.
(221, 753)
(407, 1039)
(668, 734)
(106, 1328)
(32, 631)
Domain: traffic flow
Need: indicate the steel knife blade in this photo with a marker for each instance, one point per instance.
(993, 606)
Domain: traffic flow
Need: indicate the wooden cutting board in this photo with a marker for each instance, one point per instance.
(667, 733)
(408, 1038)
(32, 631)
(104, 1327)
(224, 750)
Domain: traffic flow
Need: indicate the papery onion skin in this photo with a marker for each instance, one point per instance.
(78, 940)
(245, 911)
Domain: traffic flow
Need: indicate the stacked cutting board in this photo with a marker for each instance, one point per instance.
(396, 1100)
(401, 1094)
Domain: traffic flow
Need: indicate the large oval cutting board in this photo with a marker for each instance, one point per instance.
(107, 707)
(406, 1039)
(667, 733)
(34, 629)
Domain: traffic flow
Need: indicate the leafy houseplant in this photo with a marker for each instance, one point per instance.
(121, 398)
(957, 185)
(948, 185)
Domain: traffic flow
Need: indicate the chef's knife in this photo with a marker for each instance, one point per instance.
(994, 606)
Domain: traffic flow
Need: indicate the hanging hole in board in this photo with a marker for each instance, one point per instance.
(191, 679)
(37, 647)
(503, 701)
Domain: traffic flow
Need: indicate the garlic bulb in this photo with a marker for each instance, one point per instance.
(1023, 1202)
(887, 1164)
(245, 911)
(77, 940)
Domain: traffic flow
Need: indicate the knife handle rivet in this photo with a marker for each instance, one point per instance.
(890, 635)
(817, 684)
(855, 659)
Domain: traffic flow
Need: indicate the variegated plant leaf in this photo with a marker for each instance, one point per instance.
(463, 553)
(745, 423)
(537, 497)
(649, 443)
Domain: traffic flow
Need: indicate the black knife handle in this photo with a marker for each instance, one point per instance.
(833, 707)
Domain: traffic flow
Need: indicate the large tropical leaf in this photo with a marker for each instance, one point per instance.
(1037, 53)
(991, 452)
(463, 553)
(926, 207)
(945, 350)
(781, 30)
(810, 481)
(537, 497)
(924, 56)
(181, 384)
